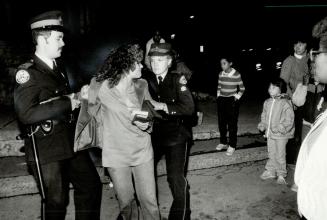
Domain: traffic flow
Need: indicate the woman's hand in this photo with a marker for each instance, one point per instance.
(142, 126)
(85, 92)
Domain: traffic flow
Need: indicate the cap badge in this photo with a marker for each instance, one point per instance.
(183, 80)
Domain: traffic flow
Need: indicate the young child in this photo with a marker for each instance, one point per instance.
(230, 90)
(277, 120)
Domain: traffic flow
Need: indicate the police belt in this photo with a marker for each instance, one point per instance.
(47, 126)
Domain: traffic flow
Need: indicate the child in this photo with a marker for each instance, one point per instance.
(277, 119)
(230, 90)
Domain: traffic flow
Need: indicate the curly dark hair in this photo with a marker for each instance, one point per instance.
(118, 62)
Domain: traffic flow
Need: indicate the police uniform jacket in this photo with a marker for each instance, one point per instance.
(173, 128)
(38, 97)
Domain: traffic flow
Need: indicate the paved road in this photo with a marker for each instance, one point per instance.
(225, 193)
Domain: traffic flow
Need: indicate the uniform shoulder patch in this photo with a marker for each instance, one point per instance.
(182, 80)
(22, 76)
(183, 88)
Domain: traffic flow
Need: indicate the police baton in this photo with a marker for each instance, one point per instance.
(39, 172)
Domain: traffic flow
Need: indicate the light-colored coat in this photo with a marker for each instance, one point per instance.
(277, 118)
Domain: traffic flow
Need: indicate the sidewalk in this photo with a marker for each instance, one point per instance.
(226, 193)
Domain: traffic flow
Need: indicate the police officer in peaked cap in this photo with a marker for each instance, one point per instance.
(44, 103)
(170, 136)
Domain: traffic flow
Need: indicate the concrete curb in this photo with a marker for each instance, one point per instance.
(22, 185)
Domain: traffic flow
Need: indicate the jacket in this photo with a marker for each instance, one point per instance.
(174, 128)
(89, 126)
(88, 132)
(277, 118)
(39, 96)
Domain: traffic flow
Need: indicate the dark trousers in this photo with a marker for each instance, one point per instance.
(81, 172)
(228, 110)
(176, 165)
(293, 146)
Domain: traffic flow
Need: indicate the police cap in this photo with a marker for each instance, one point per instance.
(160, 49)
(50, 20)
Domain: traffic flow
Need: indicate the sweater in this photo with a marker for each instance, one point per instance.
(230, 84)
(293, 72)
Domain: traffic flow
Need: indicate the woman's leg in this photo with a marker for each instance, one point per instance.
(146, 190)
(123, 186)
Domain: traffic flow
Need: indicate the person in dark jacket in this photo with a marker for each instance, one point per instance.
(171, 135)
(44, 104)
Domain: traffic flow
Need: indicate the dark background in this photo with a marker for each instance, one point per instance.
(233, 28)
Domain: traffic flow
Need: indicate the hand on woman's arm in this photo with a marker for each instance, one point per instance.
(141, 125)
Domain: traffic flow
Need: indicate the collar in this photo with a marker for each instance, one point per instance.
(230, 73)
(298, 56)
(162, 75)
(47, 61)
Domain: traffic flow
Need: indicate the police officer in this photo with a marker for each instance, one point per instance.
(171, 135)
(44, 104)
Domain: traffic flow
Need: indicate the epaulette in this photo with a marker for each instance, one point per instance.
(26, 65)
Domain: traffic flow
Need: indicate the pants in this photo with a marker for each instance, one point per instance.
(80, 171)
(294, 144)
(145, 188)
(176, 165)
(228, 110)
(276, 163)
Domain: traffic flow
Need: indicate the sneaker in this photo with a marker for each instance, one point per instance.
(267, 175)
(230, 151)
(221, 146)
(294, 187)
(281, 180)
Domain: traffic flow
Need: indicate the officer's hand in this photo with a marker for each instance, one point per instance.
(75, 103)
(160, 106)
(142, 126)
(85, 92)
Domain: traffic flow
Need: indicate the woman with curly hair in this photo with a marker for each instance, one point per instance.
(127, 150)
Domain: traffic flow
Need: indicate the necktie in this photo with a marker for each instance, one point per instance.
(160, 80)
(57, 70)
(54, 67)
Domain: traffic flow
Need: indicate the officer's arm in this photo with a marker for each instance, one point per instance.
(184, 105)
(28, 107)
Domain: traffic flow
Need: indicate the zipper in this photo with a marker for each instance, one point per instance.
(269, 119)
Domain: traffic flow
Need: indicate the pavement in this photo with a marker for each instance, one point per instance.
(232, 192)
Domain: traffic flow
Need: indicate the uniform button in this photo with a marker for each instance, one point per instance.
(173, 100)
(56, 91)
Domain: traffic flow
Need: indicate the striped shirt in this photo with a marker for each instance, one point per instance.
(230, 84)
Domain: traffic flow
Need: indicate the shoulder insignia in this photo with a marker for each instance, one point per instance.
(183, 80)
(183, 88)
(22, 76)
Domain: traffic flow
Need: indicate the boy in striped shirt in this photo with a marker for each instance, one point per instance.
(230, 90)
